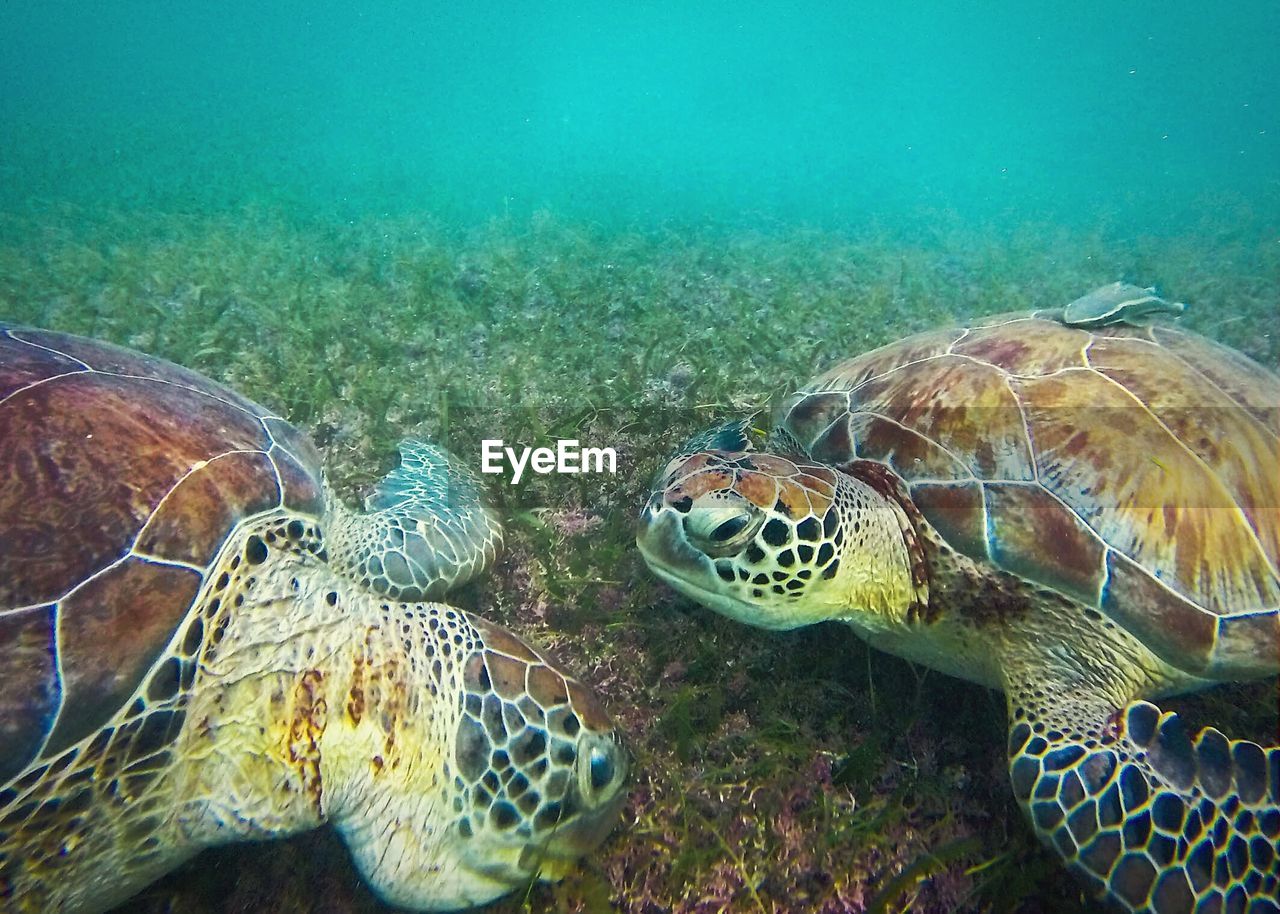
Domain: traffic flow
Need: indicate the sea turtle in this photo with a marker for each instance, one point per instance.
(199, 644)
(1083, 518)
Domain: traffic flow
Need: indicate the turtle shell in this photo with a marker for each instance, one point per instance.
(120, 477)
(1132, 469)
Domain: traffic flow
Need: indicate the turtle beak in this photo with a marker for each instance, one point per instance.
(661, 539)
(666, 549)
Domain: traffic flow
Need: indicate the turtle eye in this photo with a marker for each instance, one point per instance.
(602, 769)
(727, 530)
(721, 529)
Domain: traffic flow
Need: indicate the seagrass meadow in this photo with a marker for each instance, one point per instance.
(623, 223)
(795, 772)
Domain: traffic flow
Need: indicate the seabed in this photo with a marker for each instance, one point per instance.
(775, 773)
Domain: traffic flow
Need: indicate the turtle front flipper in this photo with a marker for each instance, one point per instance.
(426, 528)
(1148, 817)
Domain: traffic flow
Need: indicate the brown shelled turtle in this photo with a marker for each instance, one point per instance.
(1081, 509)
(199, 644)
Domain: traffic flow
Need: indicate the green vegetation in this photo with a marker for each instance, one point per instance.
(778, 773)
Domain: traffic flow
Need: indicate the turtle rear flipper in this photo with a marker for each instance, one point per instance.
(426, 528)
(1150, 818)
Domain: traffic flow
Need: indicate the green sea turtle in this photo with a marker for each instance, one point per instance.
(1085, 518)
(199, 644)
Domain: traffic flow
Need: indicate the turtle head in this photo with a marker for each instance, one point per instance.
(516, 775)
(777, 542)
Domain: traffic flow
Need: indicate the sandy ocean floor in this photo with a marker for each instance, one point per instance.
(794, 772)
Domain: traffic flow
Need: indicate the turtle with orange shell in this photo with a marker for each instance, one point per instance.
(1079, 507)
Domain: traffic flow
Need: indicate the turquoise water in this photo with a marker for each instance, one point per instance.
(1150, 113)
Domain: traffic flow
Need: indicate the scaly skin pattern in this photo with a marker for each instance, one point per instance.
(306, 703)
(742, 510)
(424, 529)
(1144, 814)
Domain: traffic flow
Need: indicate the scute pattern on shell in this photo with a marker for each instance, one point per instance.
(121, 476)
(1132, 468)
